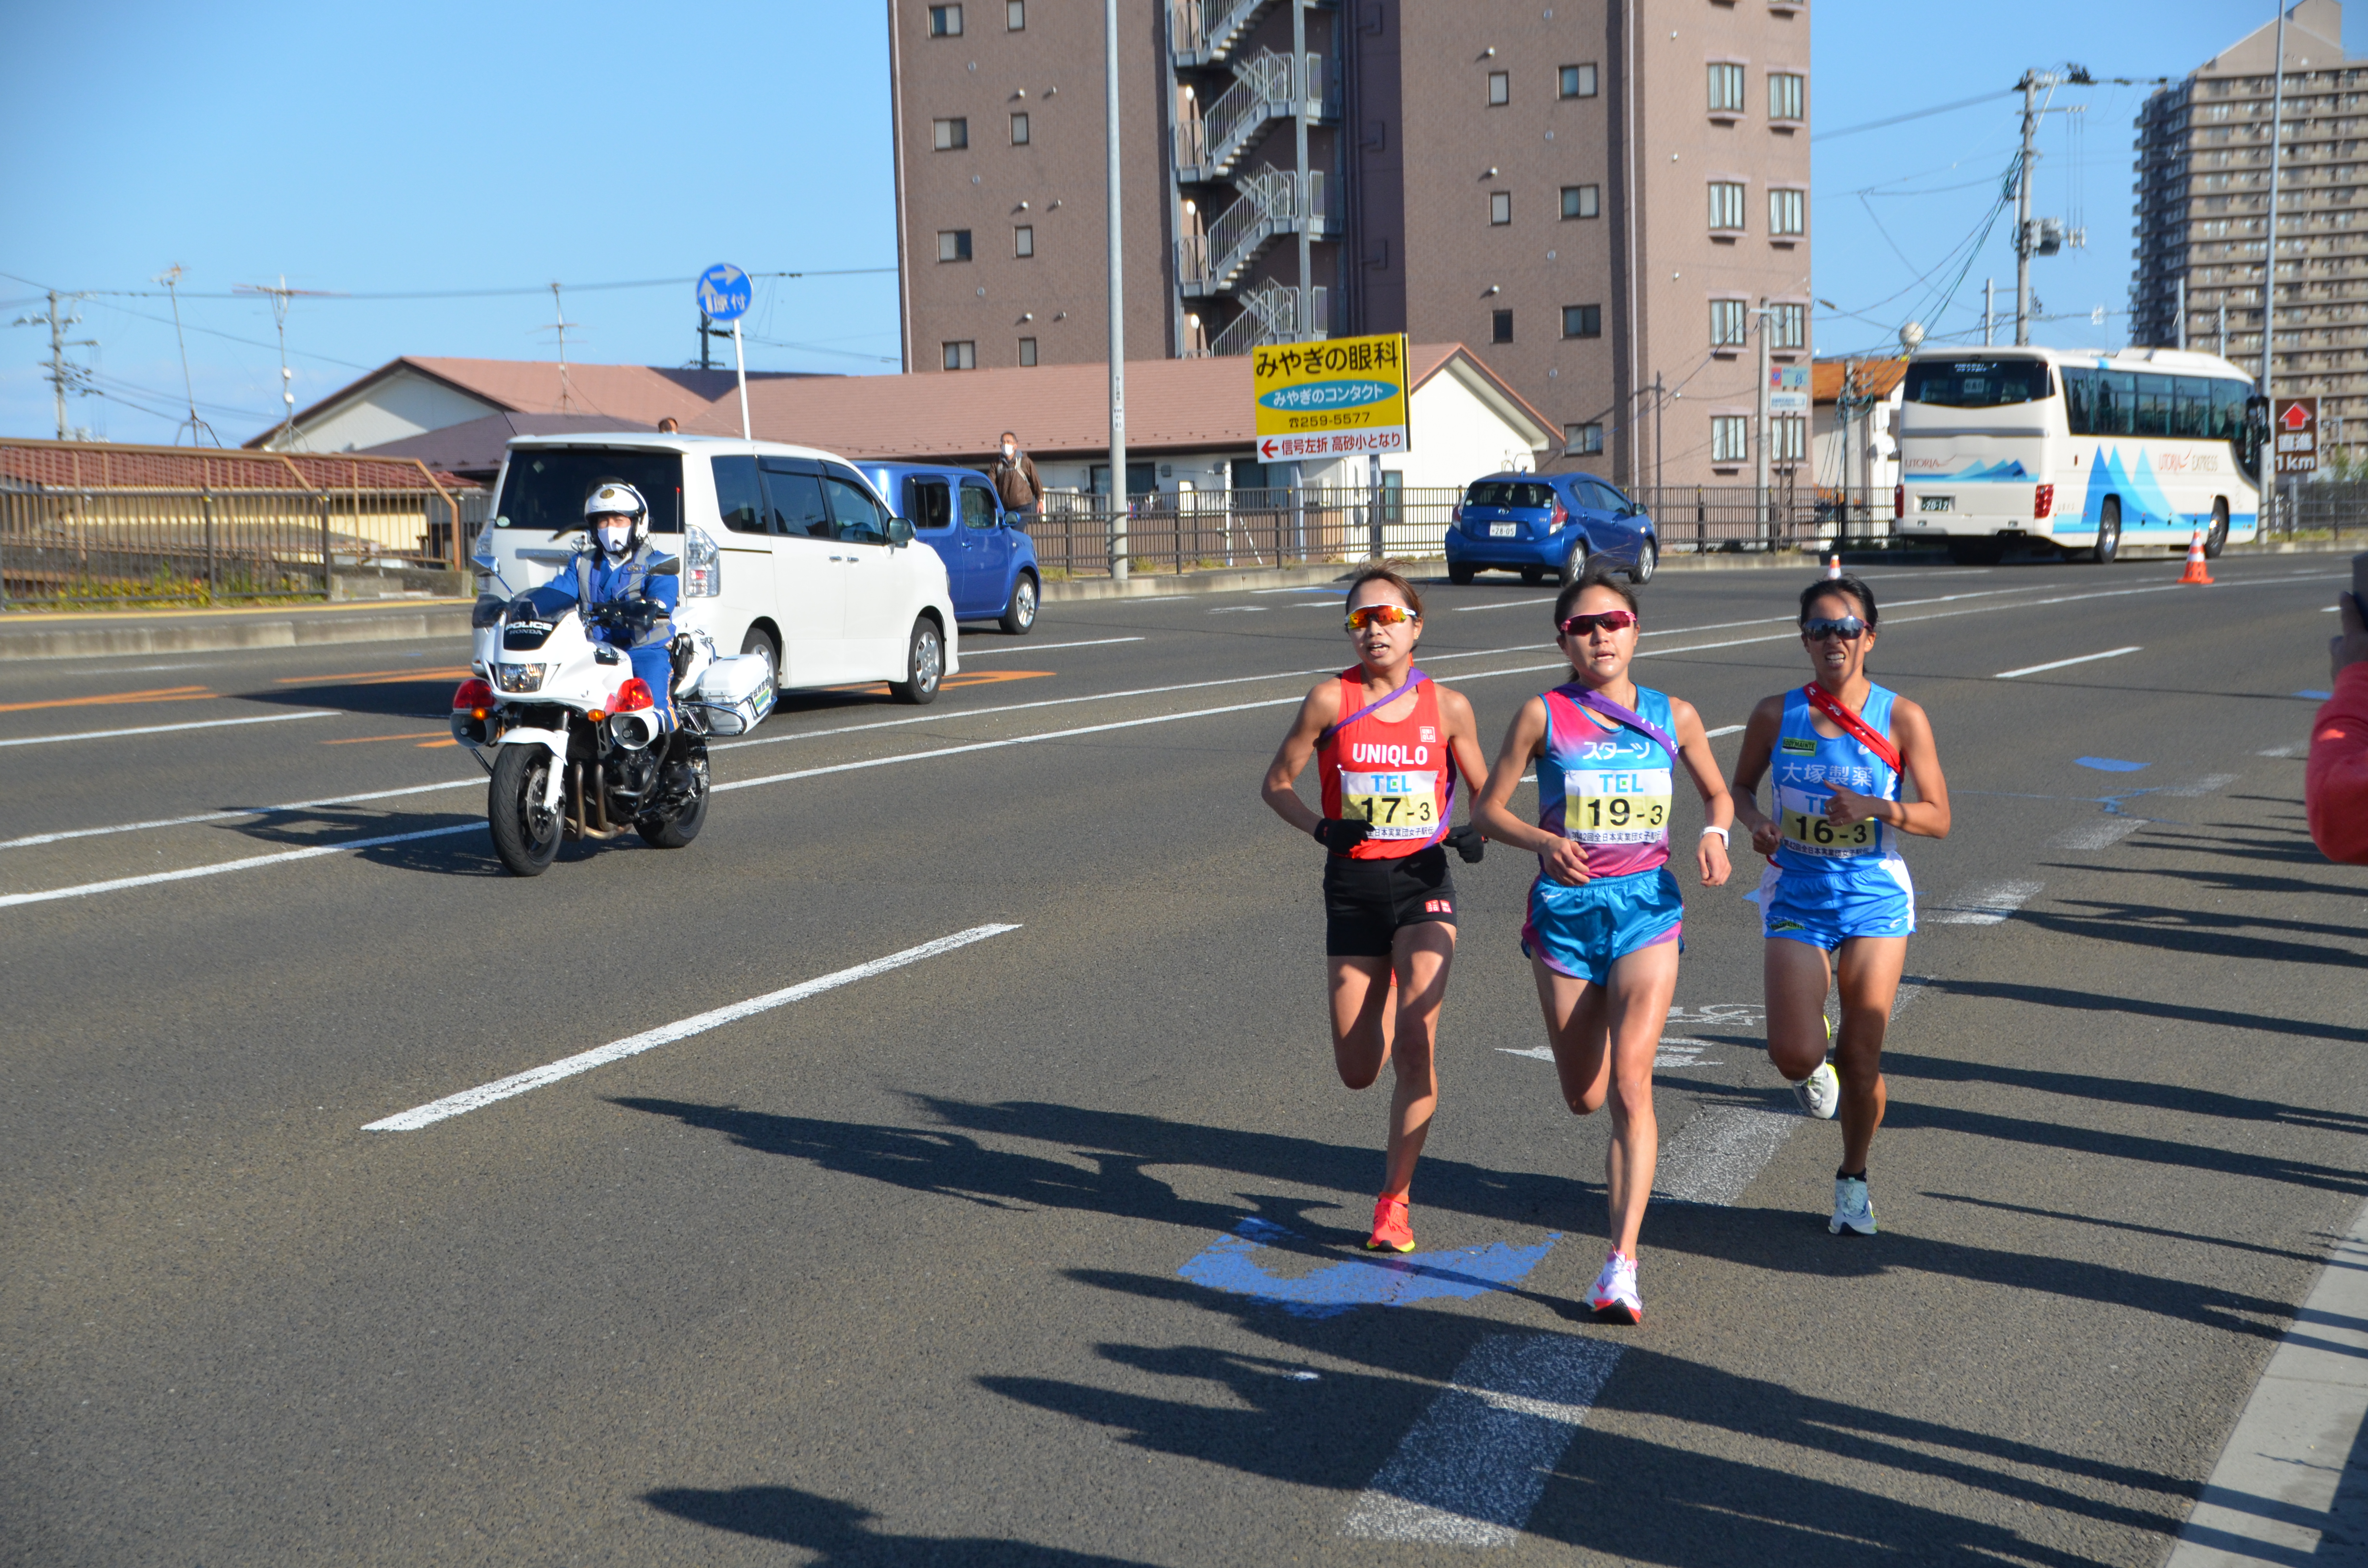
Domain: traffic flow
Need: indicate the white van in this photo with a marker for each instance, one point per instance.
(787, 551)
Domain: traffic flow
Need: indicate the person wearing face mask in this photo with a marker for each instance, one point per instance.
(630, 608)
(1014, 474)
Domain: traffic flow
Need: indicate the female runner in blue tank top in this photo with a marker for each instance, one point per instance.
(1836, 895)
(1602, 933)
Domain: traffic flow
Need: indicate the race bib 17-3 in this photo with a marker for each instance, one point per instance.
(1399, 805)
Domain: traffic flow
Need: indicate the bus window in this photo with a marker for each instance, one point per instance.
(2154, 405)
(2117, 401)
(1976, 383)
(2190, 412)
(2079, 400)
(2228, 410)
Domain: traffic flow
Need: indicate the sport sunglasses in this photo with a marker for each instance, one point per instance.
(1377, 614)
(1850, 628)
(1609, 621)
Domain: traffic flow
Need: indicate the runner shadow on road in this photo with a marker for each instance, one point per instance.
(842, 1532)
(2125, 1091)
(2138, 1006)
(2195, 932)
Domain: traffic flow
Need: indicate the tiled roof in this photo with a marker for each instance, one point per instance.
(1875, 377)
(100, 465)
(475, 446)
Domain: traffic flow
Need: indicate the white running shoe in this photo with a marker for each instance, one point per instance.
(1853, 1206)
(1820, 1092)
(1614, 1297)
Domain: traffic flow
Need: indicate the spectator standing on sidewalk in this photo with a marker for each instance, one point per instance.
(1014, 474)
(2335, 787)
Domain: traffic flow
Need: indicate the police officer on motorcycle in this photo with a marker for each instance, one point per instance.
(626, 605)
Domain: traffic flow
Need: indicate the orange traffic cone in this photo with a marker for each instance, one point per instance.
(2195, 571)
(1833, 568)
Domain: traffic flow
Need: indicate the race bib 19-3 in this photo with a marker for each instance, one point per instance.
(1807, 831)
(1600, 806)
(1399, 805)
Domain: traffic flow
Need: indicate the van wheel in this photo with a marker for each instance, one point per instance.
(2215, 539)
(924, 664)
(760, 642)
(2109, 532)
(1020, 615)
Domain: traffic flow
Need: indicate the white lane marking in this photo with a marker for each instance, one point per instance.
(1475, 1462)
(2329, 610)
(2291, 748)
(163, 729)
(1987, 906)
(1319, 589)
(1714, 1157)
(667, 1034)
(2096, 834)
(250, 863)
(1506, 604)
(1239, 610)
(1722, 730)
(241, 812)
(2063, 663)
(2204, 786)
(970, 653)
(1675, 1051)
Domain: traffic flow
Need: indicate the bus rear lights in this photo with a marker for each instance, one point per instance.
(1898, 501)
(2043, 505)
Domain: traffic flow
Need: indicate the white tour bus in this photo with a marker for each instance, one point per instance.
(786, 551)
(2084, 450)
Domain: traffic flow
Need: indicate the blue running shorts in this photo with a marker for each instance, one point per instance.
(1582, 931)
(1826, 914)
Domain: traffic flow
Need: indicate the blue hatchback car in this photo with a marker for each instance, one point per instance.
(1549, 524)
(991, 567)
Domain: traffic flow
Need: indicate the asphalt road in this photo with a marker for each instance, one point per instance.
(1038, 1250)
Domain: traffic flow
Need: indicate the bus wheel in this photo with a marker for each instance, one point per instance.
(2109, 532)
(2215, 539)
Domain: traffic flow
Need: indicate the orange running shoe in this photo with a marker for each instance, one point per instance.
(1390, 1232)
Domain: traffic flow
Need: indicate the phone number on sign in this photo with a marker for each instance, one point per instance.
(1347, 419)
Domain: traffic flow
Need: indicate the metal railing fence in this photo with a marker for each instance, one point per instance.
(2334, 507)
(1691, 519)
(1202, 529)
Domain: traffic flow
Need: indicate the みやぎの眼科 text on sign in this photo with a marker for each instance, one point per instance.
(1339, 398)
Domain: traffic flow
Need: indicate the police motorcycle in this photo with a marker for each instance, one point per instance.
(579, 745)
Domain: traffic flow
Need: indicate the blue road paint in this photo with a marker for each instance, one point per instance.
(2107, 764)
(2315, 696)
(1232, 1265)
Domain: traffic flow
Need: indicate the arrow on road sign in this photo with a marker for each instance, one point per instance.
(2297, 415)
(1266, 449)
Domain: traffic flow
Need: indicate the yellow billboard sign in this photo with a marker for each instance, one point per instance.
(1343, 397)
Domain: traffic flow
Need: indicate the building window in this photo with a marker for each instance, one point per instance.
(1027, 345)
(1582, 201)
(1788, 326)
(1725, 204)
(1023, 240)
(1500, 326)
(1582, 440)
(1582, 321)
(1578, 81)
(1788, 436)
(1015, 19)
(1019, 131)
(1500, 86)
(1726, 319)
(1727, 89)
(1728, 438)
(949, 135)
(1500, 207)
(953, 245)
(1788, 213)
(1787, 90)
(945, 21)
(963, 356)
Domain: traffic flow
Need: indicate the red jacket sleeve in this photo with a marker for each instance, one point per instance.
(2335, 789)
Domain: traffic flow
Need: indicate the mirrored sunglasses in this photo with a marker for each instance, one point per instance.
(1609, 621)
(1847, 629)
(1377, 614)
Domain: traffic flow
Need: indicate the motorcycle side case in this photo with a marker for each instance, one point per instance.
(735, 694)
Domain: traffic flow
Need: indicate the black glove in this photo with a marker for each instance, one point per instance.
(1340, 834)
(1467, 841)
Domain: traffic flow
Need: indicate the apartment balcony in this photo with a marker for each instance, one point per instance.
(1271, 206)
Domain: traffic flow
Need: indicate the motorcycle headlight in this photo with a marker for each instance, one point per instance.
(520, 678)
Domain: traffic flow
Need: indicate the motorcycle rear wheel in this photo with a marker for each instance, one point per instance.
(674, 831)
(524, 836)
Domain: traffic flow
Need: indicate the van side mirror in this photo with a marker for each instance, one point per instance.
(900, 533)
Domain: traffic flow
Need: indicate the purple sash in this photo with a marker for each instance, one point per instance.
(1414, 679)
(1596, 702)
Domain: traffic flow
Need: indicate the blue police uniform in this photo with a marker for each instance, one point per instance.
(598, 580)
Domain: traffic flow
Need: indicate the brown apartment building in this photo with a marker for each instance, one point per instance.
(1591, 194)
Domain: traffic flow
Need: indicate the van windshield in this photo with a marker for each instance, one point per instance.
(544, 487)
(1977, 383)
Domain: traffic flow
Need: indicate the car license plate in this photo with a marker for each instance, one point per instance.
(1934, 502)
(1503, 530)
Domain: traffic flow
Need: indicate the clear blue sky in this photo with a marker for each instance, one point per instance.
(443, 146)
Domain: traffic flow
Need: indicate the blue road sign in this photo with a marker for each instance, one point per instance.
(725, 292)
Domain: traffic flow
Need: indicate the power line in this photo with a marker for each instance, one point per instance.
(478, 293)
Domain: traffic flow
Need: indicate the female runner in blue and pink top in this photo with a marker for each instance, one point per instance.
(1603, 930)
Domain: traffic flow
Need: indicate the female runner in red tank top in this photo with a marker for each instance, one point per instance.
(1391, 745)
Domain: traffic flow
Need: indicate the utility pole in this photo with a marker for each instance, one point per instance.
(2179, 314)
(62, 375)
(1989, 311)
(1656, 442)
(1118, 545)
(199, 429)
(2269, 271)
(1760, 426)
(280, 298)
(2030, 86)
(1300, 88)
(2222, 330)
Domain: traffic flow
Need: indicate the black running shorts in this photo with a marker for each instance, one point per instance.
(1365, 902)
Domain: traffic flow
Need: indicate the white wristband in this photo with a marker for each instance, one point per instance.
(1720, 831)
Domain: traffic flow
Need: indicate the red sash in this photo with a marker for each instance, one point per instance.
(1858, 729)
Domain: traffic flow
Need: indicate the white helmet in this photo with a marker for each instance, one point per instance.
(618, 516)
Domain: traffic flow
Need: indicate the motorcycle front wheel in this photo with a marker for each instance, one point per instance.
(525, 835)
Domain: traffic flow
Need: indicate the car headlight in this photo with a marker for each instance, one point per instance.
(520, 678)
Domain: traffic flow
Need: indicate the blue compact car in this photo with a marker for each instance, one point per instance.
(990, 562)
(1549, 524)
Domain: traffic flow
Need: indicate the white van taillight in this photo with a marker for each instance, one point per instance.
(2043, 505)
(702, 565)
(1898, 501)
